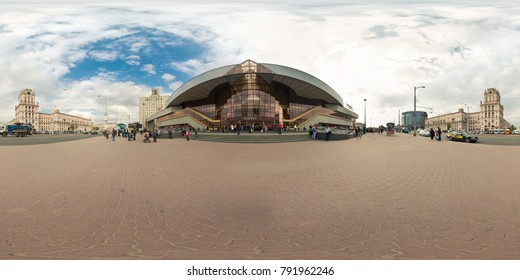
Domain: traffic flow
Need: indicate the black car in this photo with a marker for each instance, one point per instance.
(463, 136)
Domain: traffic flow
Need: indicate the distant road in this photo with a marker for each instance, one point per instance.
(37, 139)
(486, 139)
(501, 140)
(491, 139)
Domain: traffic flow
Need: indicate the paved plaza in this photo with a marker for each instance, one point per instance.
(381, 197)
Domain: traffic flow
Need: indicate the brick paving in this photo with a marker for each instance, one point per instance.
(381, 197)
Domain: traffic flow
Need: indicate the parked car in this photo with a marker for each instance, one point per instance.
(424, 132)
(450, 133)
(464, 137)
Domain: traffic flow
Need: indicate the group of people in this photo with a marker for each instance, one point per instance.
(436, 133)
(130, 135)
(150, 133)
(263, 127)
(313, 132)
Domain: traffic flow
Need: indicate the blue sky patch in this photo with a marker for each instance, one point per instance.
(141, 56)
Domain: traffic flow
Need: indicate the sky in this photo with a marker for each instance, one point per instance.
(72, 53)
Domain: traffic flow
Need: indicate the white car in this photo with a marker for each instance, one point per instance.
(424, 132)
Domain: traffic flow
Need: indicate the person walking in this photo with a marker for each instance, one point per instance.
(154, 135)
(432, 133)
(314, 132)
(328, 132)
(170, 133)
(114, 133)
(187, 135)
(439, 132)
(358, 132)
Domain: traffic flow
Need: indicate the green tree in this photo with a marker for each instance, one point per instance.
(449, 126)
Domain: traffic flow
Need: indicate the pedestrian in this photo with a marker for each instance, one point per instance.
(314, 132)
(328, 132)
(129, 135)
(134, 132)
(154, 135)
(114, 133)
(170, 133)
(432, 133)
(196, 133)
(439, 132)
(146, 137)
(280, 127)
(187, 135)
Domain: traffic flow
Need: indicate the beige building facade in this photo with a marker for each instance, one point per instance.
(27, 111)
(490, 116)
(149, 106)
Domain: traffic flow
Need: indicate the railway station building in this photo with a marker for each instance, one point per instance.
(254, 94)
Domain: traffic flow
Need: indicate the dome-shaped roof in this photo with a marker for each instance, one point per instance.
(304, 84)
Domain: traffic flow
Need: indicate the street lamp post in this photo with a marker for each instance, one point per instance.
(106, 109)
(399, 116)
(414, 107)
(365, 121)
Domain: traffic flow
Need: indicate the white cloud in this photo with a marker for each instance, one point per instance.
(82, 97)
(378, 52)
(133, 60)
(149, 68)
(168, 77)
(175, 85)
(191, 66)
(103, 55)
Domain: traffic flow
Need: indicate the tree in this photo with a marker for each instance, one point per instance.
(448, 126)
(512, 127)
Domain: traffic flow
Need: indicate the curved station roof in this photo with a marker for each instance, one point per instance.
(304, 84)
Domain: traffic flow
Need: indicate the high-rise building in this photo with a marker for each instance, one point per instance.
(151, 105)
(491, 111)
(490, 116)
(27, 111)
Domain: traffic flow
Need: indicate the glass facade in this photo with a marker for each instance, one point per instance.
(252, 95)
(420, 119)
(252, 100)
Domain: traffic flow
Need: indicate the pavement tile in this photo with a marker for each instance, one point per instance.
(381, 197)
